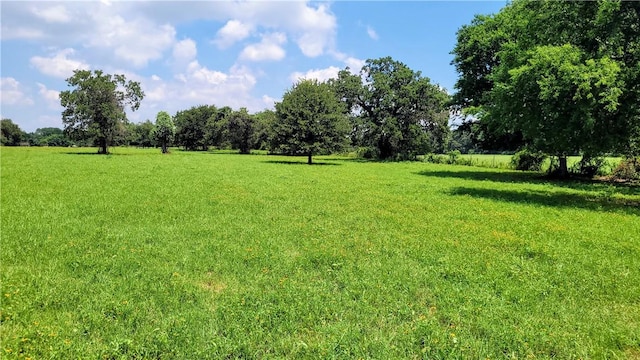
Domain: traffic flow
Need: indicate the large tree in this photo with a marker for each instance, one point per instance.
(164, 130)
(311, 120)
(395, 110)
(95, 107)
(564, 74)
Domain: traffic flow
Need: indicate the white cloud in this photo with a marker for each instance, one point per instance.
(136, 41)
(185, 50)
(232, 32)
(372, 33)
(52, 97)
(268, 49)
(317, 27)
(204, 75)
(59, 65)
(53, 14)
(319, 74)
(11, 92)
(268, 101)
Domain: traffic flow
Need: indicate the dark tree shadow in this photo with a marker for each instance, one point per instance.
(293, 162)
(599, 186)
(553, 199)
(95, 153)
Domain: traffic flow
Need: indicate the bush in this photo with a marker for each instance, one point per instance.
(453, 156)
(628, 169)
(589, 166)
(435, 159)
(528, 160)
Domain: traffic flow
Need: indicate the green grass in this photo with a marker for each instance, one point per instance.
(500, 161)
(208, 255)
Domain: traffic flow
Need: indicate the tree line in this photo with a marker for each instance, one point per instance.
(386, 111)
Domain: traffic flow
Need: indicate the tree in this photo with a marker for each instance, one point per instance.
(565, 75)
(561, 99)
(192, 127)
(398, 113)
(164, 131)
(10, 134)
(240, 130)
(311, 120)
(96, 105)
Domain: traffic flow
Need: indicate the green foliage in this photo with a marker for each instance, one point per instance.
(590, 166)
(94, 108)
(263, 258)
(562, 73)
(528, 160)
(395, 111)
(194, 127)
(10, 133)
(141, 134)
(164, 130)
(241, 131)
(311, 121)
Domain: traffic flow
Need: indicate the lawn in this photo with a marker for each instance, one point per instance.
(210, 255)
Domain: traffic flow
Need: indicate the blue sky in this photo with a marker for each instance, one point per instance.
(225, 53)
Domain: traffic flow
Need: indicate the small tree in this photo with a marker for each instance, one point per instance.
(311, 120)
(164, 130)
(95, 106)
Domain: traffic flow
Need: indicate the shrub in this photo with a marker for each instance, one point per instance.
(435, 159)
(589, 166)
(528, 160)
(453, 156)
(628, 169)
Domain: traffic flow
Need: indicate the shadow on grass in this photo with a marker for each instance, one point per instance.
(291, 162)
(538, 178)
(94, 153)
(553, 199)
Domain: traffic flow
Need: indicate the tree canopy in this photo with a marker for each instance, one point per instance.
(564, 74)
(95, 107)
(311, 120)
(396, 111)
(164, 130)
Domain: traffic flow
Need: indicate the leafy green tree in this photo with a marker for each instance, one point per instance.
(95, 107)
(311, 120)
(561, 99)
(192, 127)
(10, 134)
(564, 74)
(399, 113)
(164, 131)
(264, 122)
(217, 128)
(240, 130)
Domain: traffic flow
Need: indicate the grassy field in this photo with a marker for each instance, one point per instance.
(205, 255)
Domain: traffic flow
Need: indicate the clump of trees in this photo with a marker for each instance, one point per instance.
(560, 76)
(396, 113)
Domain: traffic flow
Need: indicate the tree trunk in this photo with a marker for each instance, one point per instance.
(309, 159)
(563, 171)
(103, 146)
(164, 147)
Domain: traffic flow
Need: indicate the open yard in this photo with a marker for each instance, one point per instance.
(211, 255)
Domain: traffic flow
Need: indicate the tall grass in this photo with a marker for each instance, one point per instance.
(206, 255)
